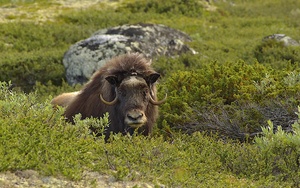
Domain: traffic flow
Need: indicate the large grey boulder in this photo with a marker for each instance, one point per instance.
(87, 56)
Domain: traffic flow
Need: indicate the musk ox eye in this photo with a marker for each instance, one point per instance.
(145, 92)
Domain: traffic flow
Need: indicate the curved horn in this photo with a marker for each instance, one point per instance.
(152, 101)
(107, 102)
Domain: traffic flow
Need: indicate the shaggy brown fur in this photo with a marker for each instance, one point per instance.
(132, 77)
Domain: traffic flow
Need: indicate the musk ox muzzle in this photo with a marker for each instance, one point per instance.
(135, 118)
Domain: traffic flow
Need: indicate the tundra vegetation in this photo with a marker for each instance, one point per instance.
(220, 126)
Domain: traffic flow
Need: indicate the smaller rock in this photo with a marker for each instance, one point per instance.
(287, 41)
(26, 173)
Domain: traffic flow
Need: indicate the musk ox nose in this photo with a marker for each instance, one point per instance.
(135, 118)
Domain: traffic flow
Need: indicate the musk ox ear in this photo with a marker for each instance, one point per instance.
(113, 80)
(152, 78)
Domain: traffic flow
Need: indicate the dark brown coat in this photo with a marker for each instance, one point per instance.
(125, 88)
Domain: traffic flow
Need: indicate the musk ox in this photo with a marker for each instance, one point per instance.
(125, 88)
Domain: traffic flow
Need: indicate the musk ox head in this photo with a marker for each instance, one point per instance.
(133, 94)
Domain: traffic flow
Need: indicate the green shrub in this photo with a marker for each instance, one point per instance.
(186, 161)
(33, 53)
(25, 69)
(276, 53)
(281, 151)
(169, 7)
(211, 85)
(185, 62)
(234, 99)
(44, 90)
(35, 136)
(275, 156)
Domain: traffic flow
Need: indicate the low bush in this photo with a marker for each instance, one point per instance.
(189, 8)
(232, 98)
(33, 53)
(281, 152)
(276, 53)
(24, 70)
(35, 136)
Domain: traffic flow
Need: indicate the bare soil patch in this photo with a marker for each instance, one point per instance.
(31, 178)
